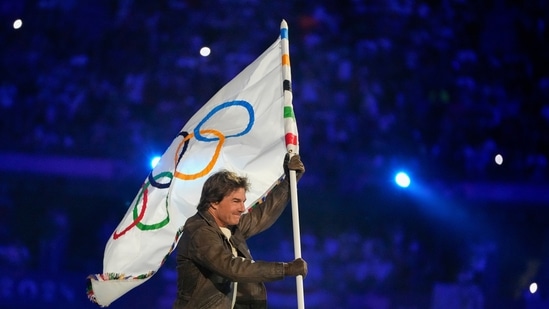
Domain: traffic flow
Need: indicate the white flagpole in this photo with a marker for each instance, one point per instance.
(293, 148)
(297, 239)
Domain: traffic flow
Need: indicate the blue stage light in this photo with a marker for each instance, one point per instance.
(402, 179)
(154, 161)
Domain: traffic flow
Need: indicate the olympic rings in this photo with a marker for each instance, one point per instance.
(198, 134)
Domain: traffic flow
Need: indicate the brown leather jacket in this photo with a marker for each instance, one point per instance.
(206, 267)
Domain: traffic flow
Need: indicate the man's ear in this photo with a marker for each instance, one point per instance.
(214, 205)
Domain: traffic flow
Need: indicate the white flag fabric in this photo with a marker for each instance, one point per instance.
(241, 128)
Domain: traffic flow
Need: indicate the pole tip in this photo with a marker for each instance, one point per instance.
(283, 24)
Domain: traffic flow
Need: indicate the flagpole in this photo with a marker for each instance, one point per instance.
(293, 148)
(297, 239)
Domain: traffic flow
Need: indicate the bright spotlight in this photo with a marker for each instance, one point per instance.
(18, 23)
(402, 179)
(205, 51)
(154, 161)
(533, 287)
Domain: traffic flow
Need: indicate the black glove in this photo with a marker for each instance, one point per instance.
(295, 268)
(293, 163)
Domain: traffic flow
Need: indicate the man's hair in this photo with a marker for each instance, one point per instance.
(219, 185)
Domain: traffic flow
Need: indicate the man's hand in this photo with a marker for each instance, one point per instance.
(294, 163)
(297, 267)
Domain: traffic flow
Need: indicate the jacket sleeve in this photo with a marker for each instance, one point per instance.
(212, 251)
(260, 217)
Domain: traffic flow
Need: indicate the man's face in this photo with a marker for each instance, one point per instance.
(228, 211)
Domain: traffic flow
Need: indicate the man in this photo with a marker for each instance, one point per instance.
(214, 266)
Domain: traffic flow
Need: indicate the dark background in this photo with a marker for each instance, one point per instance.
(91, 90)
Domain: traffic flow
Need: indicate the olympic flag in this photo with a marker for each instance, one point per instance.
(245, 127)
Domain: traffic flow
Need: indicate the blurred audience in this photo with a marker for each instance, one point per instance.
(451, 83)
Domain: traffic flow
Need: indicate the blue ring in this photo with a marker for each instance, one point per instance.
(242, 103)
